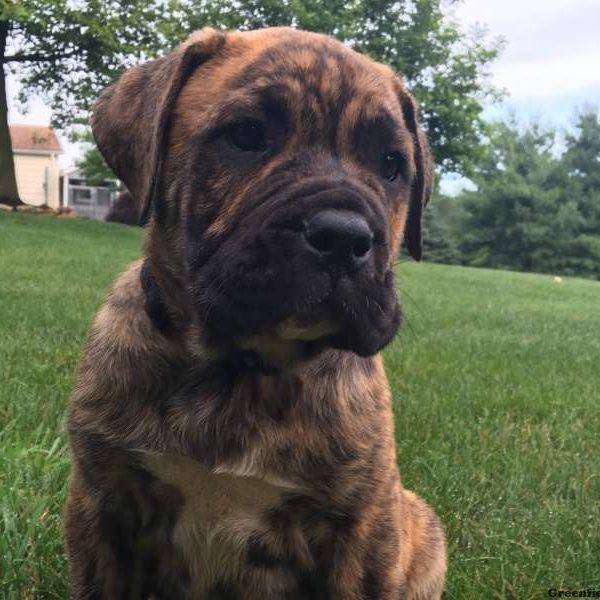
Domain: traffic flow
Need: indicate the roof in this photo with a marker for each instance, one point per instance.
(71, 171)
(34, 138)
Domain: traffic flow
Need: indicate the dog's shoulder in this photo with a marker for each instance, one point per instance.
(122, 321)
(123, 324)
(125, 357)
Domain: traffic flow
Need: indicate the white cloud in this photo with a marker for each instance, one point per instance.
(545, 78)
(553, 46)
(513, 15)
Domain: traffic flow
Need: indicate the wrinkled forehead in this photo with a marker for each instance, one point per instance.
(309, 75)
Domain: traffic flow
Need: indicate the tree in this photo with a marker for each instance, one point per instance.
(582, 163)
(582, 156)
(66, 52)
(532, 210)
(92, 165)
(94, 169)
(8, 180)
(439, 234)
(444, 66)
(508, 216)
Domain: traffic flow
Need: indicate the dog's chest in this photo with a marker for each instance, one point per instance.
(222, 512)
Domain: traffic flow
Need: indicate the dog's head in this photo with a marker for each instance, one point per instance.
(281, 170)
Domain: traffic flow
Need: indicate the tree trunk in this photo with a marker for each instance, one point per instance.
(8, 180)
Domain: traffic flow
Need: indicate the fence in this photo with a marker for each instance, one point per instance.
(90, 202)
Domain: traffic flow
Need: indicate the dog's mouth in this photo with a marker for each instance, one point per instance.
(305, 328)
(361, 317)
(291, 340)
(361, 321)
(309, 325)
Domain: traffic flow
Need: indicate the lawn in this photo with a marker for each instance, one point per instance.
(496, 380)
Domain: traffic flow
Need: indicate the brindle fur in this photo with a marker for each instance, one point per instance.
(212, 460)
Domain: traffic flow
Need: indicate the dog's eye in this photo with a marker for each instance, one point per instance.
(248, 136)
(391, 165)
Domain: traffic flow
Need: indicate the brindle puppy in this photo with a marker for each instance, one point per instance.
(231, 425)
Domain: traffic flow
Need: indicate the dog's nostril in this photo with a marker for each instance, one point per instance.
(340, 237)
(362, 246)
(323, 240)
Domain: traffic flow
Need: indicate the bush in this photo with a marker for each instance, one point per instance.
(125, 210)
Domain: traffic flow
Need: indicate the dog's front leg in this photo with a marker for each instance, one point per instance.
(393, 549)
(100, 549)
(119, 520)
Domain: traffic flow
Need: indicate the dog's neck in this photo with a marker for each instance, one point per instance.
(247, 361)
(154, 301)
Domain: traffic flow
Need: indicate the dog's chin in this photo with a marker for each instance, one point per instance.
(305, 329)
(298, 339)
(289, 343)
(362, 320)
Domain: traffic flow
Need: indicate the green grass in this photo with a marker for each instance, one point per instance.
(496, 377)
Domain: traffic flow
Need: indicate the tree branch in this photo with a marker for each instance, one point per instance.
(35, 57)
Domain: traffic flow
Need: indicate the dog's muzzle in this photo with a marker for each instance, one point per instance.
(312, 268)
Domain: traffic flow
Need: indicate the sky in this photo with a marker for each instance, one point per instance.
(550, 65)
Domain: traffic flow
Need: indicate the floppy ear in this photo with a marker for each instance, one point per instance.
(423, 179)
(130, 120)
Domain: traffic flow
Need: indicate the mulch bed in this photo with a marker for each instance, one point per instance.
(38, 210)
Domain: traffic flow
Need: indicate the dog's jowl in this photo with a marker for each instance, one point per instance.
(231, 425)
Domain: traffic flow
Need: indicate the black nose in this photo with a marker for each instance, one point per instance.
(340, 237)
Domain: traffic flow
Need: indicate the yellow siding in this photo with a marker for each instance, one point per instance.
(31, 178)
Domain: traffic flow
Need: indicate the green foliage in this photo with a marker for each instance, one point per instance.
(66, 52)
(582, 156)
(439, 238)
(490, 429)
(445, 67)
(582, 162)
(95, 171)
(534, 211)
(93, 166)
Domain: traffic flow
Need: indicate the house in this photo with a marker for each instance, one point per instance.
(35, 150)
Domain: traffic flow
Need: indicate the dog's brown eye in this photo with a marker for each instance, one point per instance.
(391, 165)
(248, 136)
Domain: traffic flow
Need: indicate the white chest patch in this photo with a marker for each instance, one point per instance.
(221, 509)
